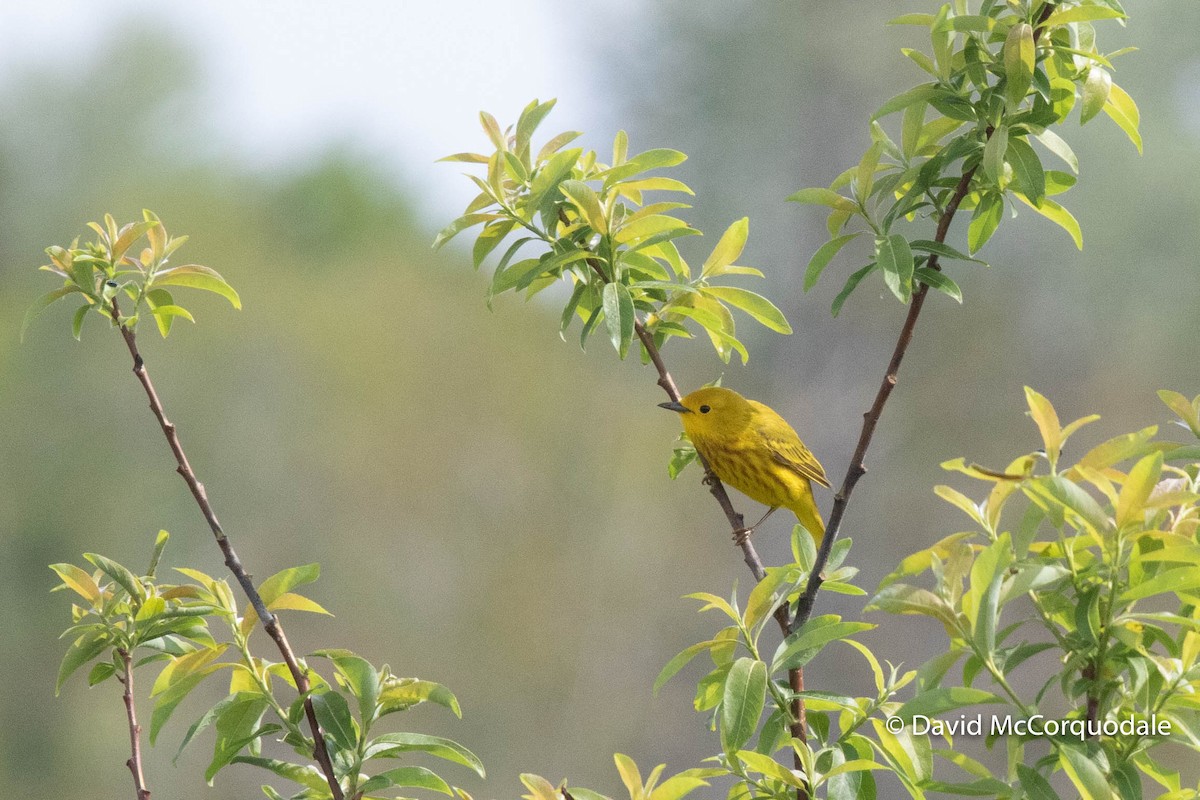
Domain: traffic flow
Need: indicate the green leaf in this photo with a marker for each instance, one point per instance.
(81, 651)
(823, 197)
(1123, 111)
(742, 704)
(44, 302)
(1137, 488)
(122, 576)
(1095, 93)
(851, 284)
(1083, 772)
(619, 316)
(1055, 144)
(392, 745)
(802, 646)
(1058, 215)
(198, 277)
(414, 777)
(361, 678)
(1035, 786)
(588, 204)
(993, 154)
(1019, 58)
(1081, 14)
(728, 249)
(984, 221)
(79, 581)
(934, 702)
(286, 580)
(939, 281)
(680, 661)
(1028, 173)
(757, 306)
(823, 256)
(399, 694)
(895, 258)
(1175, 580)
(917, 94)
(941, 250)
(77, 321)
(334, 715)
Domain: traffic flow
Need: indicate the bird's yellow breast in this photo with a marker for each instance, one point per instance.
(749, 466)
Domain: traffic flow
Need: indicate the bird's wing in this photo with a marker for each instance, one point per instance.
(787, 449)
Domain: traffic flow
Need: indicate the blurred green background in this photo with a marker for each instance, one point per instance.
(490, 506)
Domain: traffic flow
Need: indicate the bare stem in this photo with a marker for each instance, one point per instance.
(270, 622)
(135, 730)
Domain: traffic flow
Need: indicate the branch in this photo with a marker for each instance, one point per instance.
(270, 622)
(799, 725)
(135, 730)
(857, 466)
(870, 419)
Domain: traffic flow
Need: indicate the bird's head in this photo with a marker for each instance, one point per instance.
(712, 411)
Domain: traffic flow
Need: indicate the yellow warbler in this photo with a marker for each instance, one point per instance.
(754, 450)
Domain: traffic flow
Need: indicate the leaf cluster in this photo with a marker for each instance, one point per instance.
(1093, 563)
(118, 613)
(569, 217)
(102, 270)
(1001, 79)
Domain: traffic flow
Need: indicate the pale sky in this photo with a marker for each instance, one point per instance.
(285, 76)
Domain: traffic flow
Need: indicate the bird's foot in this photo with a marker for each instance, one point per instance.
(708, 479)
(741, 536)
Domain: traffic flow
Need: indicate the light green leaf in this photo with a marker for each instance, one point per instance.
(1028, 173)
(742, 704)
(1123, 111)
(1095, 93)
(851, 284)
(984, 221)
(392, 745)
(823, 197)
(1019, 58)
(1083, 772)
(1088, 13)
(196, 276)
(917, 94)
(757, 306)
(802, 646)
(934, 702)
(993, 154)
(728, 249)
(1057, 145)
(1058, 215)
(895, 258)
(619, 316)
(43, 302)
(823, 256)
(939, 281)
(408, 777)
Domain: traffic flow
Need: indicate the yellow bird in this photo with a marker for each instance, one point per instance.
(754, 450)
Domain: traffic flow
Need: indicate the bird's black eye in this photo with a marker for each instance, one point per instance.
(704, 409)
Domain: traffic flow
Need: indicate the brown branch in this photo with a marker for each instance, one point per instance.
(857, 466)
(799, 725)
(135, 730)
(269, 621)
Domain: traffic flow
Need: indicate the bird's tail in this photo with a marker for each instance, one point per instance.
(806, 511)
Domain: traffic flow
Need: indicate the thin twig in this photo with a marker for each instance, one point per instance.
(270, 622)
(135, 730)
(857, 468)
(870, 419)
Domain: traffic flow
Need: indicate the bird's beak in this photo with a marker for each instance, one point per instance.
(676, 406)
